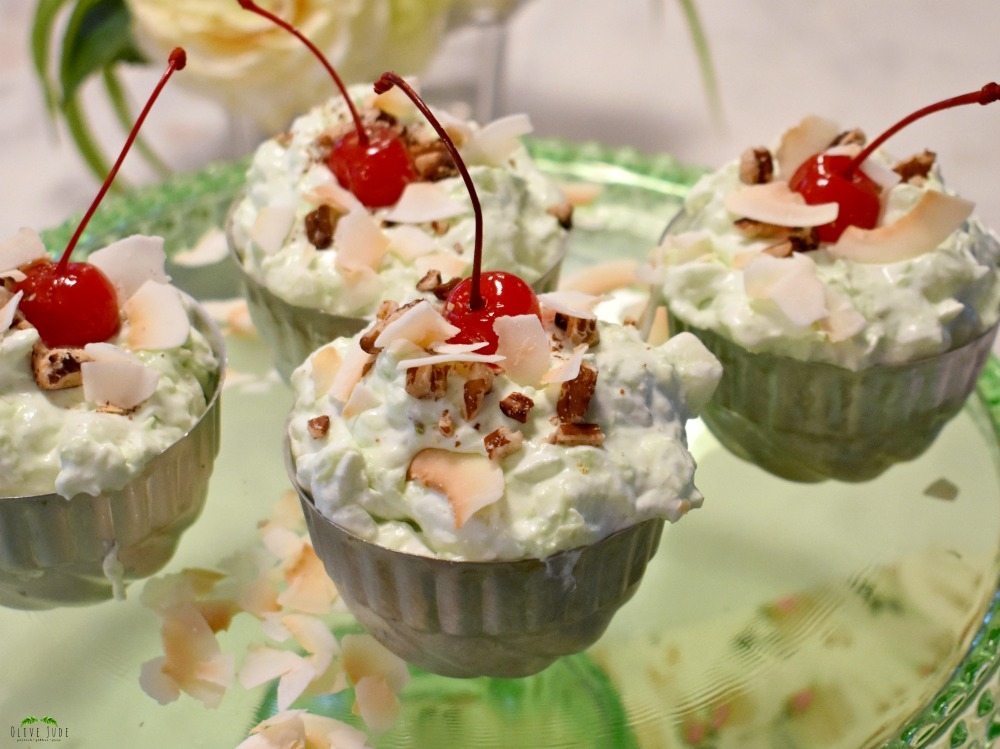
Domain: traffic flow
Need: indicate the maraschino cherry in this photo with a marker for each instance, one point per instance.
(73, 303)
(476, 301)
(836, 178)
(371, 161)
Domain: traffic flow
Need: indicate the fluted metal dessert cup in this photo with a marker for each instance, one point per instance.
(504, 619)
(292, 331)
(811, 421)
(83, 550)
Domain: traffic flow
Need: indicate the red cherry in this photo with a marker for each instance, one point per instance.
(71, 307)
(372, 162)
(73, 304)
(375, 169)
(503, 294)
(824, 179)
(838, 179)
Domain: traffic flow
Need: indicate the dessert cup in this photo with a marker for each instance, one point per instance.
(56, 551)
(505, 619)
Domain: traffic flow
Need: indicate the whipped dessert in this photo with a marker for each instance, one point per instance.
(572, 430)
(87, 419)
(743, 259)
(313, 243)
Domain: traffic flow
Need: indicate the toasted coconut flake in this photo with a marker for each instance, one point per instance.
(156, 317)
(408, 242)
(497, 141)
(524, 344)
(272, 226)
(332, 194)
(812, 135)
(443, 347)
(362, 398)
(775, 203)
(448, 264)
(395, 102)
(603, 277)
(309, 589)
(297, 729)
(420, 324)
(118, 383)
(8, 309)
(572, 303)
(376, 703)
(263, 664)
(360, 242)
(325, 365)
(566, 368)
(791, 283)
(929, 223)
(349, 373)
(469, 481)
(422, 202)
(24, 247)
(130, 262)
(448, 357)
(363, 655)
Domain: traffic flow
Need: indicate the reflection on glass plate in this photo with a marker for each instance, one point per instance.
(778, 615)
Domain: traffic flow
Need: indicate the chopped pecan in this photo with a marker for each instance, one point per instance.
(318, 426)
(427, 381)
(57, 368)
(502, 442)
(321, 223)
(563, 213)
(517, 406)
(431, 160)
(854, 137)
(386, 313)
(445, 424)
(109, 408)
(578, 329)
(430, 281)
(479, 382)
(385, 309)
(800, 242)
(756, 166)
(917, 166)
(576, 394)
(577, 434)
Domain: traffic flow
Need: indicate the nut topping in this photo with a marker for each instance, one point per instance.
(477, 386)
(502, 442)
(318, 426)
(577, 434)
(427, 381)
(576, 394)
(517, 406)
(321, 223)
(756, 166)
(917, 166)
(578, 329)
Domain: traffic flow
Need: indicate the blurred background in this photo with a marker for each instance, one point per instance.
(624, 73)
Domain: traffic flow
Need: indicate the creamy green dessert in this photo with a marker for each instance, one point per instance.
(925, 281)
(88, 419)
(574, 429)
(309, 241)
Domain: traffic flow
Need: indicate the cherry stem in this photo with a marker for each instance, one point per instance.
(386, 82)
(176, 61)
(251, 6)
(986, 95)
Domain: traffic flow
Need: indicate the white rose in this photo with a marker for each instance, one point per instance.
(255, 68)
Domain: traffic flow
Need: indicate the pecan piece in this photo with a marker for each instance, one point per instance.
(502, 442)
(478, 384)
(563, 213)
(853, 137)
(386, 313)
(57, 368)
(431, 160)
(917, 166)
(321, 222)
(577, 434)
(800, 240)
(517, 406)
(576, 394)
(578, 329)
(318, 426)
(427, 381)
(756, 166)
(445, 424)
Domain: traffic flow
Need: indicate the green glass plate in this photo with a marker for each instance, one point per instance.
(778, 615)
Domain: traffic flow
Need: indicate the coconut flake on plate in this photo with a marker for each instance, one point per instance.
(423, 202)
(360, 242)
(524, 344)
(22, 248)
(808, 138)
(157, 318)
(469, 481)
(272, 226)
(310, 590)
(130, 262)
(777, 204)
(929, 223)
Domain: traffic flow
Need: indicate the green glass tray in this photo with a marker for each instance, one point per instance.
(778, 615)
